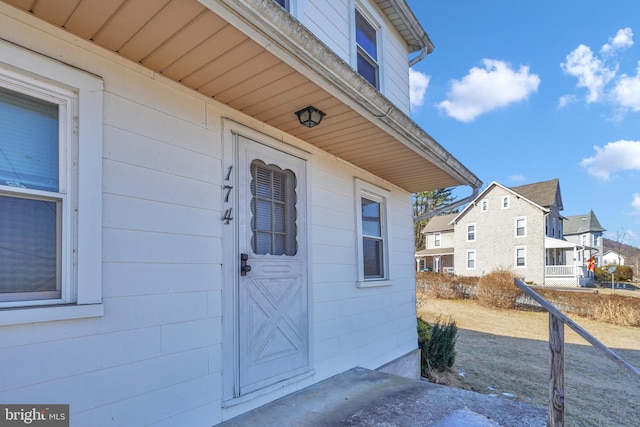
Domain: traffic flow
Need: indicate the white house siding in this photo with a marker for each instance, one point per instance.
(332, 22)
(495, 246)
(154, 357)
(350, 321)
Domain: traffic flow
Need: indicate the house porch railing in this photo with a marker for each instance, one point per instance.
(560, 271)
(557, 320)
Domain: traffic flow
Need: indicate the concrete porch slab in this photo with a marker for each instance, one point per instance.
(361, 397)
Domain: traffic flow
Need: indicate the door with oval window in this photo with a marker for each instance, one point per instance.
(272, 331)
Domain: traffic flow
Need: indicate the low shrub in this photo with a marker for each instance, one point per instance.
(445, 285)
(497, 289)
(623, 273)
(439, 351)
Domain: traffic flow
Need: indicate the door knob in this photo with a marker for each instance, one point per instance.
(244, 267)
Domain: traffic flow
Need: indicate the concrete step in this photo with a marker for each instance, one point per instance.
(361, 397)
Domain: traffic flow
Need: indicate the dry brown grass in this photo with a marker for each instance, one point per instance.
(506, 351)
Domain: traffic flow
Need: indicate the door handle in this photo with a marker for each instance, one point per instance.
(244, 267)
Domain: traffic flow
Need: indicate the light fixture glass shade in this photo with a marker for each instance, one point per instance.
(310, 116)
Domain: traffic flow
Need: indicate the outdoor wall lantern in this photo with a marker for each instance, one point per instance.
(310, 116)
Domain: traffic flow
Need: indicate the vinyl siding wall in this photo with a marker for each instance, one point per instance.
(332, 22)
(154, 357)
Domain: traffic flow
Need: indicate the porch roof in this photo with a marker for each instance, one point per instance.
(551, 243)
(434, 252)
(256, 58)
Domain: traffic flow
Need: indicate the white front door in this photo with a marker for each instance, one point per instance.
(272, 309)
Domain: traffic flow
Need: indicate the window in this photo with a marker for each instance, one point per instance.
(367, 50)
(274, 211)
(505, 202)
(584, 240)
(436, 239)
(283, 3)
(546, 226)
(471, 259)
(471, 232)
(521, 227)
(373, 237)
(521, 256)
(51, 224)
(484, 205)
(596, 241)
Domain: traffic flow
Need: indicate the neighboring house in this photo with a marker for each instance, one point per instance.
(439, 241)
(520, 229)
(177, 248)
(586, 231)
(613, 257)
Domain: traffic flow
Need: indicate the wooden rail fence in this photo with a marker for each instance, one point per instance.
(557, 320)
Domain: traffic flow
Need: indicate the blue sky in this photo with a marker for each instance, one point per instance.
(522, 92)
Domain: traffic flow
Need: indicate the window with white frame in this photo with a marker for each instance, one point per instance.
(484, 205)
(471, 259)
(521, 256)
(51, 223)
(367, 63)
(584, 240)
(596, 240)
(553, 227)
(437, 239)
(521, 227)
(373, 234)
(471, 232)
(546, 226)
(505, 202)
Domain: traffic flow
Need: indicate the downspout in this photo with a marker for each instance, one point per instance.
(423, 52)
(435, 212)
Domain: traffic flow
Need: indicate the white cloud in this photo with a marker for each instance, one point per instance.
(566, 100)
(590, 71)
(489, 88)
(623, 39)
(599, 74)
(418, 84)
(635, 203)
(627, 91)
(614, 157)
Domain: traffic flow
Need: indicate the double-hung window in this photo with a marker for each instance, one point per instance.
(484, 205)
(471, 259)
(367, 50)
(521, 227)
(437, 238)
(50, 230)
(521, 256)
(373, 235)
(471, 232)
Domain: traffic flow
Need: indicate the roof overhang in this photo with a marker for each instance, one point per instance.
(551, 243)
(254, 57)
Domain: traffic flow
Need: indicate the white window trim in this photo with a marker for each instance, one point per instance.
(365, 189)
(515, 254)
(437, 240)
(376, 21)
(483, 203)
(515, 226)
(475, 232)
(466, 259)
(503, 200)
(82, 280)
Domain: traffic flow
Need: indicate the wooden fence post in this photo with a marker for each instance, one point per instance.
(556, 372)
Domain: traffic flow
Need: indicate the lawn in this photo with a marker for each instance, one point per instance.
(503, 351)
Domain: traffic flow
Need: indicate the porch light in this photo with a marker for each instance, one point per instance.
(310, 116)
